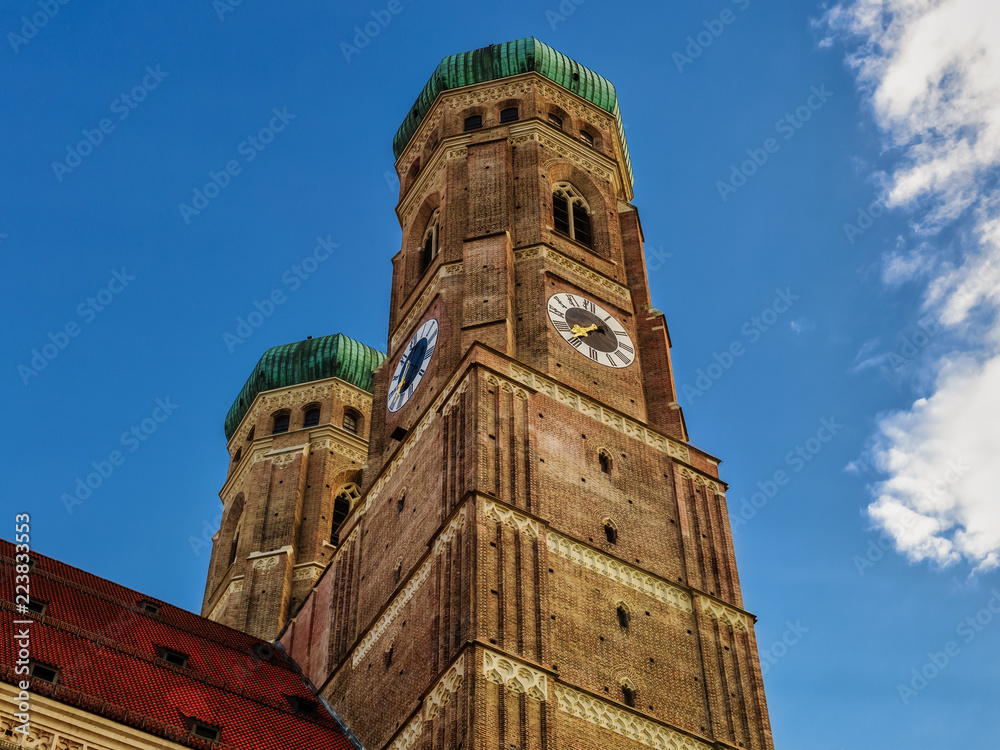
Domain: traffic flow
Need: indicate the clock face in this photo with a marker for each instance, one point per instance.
(412, 365)
(591, 330)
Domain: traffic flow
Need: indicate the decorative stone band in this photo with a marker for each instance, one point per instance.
(625, 723)
(567, 149)
(511, 519)
(316, 390)
(452, 269)
(515, 676)
(618, 571)
(404, 596)
(433, 705)
(267, 560)
(235, 586)
(700, 479)
(598, 412)
(282, 457)
(733, 617)
(332, 444)
(578, 269)
(307, 572)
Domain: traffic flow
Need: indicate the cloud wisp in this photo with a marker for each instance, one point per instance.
(930, 71)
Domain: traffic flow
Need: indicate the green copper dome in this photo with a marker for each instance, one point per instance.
(511, 59)
(335, 356)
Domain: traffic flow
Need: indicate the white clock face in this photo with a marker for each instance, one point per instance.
(591, 330)
(412, 365)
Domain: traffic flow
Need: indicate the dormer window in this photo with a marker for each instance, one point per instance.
(149, 608)
(430, 243)
(570, 213)
(43, 672)
(473, 122)
(204, 731)
(37, 607)
(173, 657)
(508, 115)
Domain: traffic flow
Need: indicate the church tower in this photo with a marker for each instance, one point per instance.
(536, 557)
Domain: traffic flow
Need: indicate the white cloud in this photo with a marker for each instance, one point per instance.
(931, 72)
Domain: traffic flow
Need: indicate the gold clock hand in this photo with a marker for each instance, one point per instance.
(578, 331)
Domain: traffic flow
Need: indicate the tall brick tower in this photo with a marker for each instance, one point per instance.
(538, 558)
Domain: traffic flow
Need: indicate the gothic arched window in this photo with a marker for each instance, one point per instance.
(347, 495)
(431, 242)
(570, 213)
(610, 532)
(311, 418)
(604, 458)
(350, 421)
(623, 617)
(280, 422)
(628, 693)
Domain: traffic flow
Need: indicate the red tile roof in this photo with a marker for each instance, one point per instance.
(107, 651)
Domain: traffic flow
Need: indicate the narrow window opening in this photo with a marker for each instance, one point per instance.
(250, 435)
(611, 533)
(605, 461)
(623, 617)
(149, 608)
(400, 504)
(431, 242)
(555, 121)
(342, 504)
(586, 138)
(508, 115)
(311, 417)
(280, 423)
(473, 122)
(628, 694)
(237, 456)
(388, 656)
(570, 213)
(350, 422)
(398, 573)
(38, 607)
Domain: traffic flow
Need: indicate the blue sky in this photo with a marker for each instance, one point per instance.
(802, 346)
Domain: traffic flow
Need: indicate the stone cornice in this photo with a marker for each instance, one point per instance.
(620, 292)
(624, 722)
(312, 390)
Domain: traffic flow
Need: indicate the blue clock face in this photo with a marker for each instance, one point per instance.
(412, 365)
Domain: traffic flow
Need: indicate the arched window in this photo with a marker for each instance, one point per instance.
(570, 213)
(431, 241)
(250, 435)
(347, 495)
(473, 122)
(508, 115)
(237, 456)
(311, 418)
(280, 423)
(233, 548)
(587, 138)
(623, 616)
(350, 421)
(610, 532)
(397, 574)
(628, 693)
(604, 458)
(387, 656)
(555, 121)
(401, 503)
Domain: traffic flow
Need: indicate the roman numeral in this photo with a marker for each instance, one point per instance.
(627, 348)
(592, 353)
(588, 305)
(572, 300)
(561, 325)
(625, 360)
(556, 311)
(575, 342)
